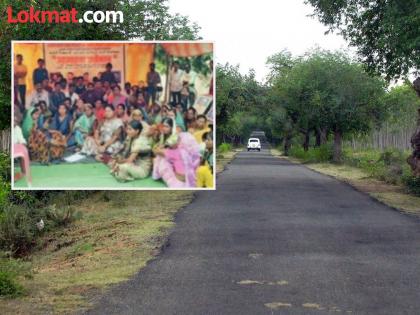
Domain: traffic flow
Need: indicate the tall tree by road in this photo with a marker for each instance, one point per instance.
(387, 37)
(328, 91)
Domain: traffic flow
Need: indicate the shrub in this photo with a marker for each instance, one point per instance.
(392, 157)
(412, 183)
(18, 225)
(224, 147)
(322, 153)
(61, 216)
(17, 230)
(4, 167)
(8, 285)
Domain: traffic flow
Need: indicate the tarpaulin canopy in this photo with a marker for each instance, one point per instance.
(187, 49)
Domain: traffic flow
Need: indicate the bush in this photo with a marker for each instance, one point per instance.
(18, 225)
(62, 216)
(413, 184)
(17, 230)
(224, 147)
(322, 153)
(8, 285)
(392, 157)
(4, 167)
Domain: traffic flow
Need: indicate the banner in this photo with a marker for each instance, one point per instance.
(85, 57)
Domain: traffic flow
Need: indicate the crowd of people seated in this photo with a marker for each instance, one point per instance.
(124, 127)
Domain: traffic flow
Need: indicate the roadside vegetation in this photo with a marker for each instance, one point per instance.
(112, 233)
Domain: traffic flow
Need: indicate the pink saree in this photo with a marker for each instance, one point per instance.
(190, 153)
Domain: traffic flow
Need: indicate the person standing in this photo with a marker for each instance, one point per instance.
(40, 73)
(20, 71)
(153, 79)
(189, 77)
(175, 84)
(108, 75)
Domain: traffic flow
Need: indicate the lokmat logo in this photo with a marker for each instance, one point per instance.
(64, 16)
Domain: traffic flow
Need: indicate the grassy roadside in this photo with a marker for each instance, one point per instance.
(112, 241)
(118, 233)
(224, 158)
(392, 195)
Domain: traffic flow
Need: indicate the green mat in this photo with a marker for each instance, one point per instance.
(80, 175)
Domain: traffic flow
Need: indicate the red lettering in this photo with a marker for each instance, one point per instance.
(73, 13)
(34, 15)
(50, 16)
(10, 18)
(37, 16)
(65, 17)
(23, 17)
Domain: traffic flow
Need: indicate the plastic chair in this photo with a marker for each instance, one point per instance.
(20, 151)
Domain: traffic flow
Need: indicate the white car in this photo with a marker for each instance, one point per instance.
(254, 144)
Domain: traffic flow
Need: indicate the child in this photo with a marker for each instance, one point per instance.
(185, 94)
(205, 170)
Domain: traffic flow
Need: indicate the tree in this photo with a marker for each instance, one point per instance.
(327, 91)
(240, 103)
(143, 19)
(387, 37)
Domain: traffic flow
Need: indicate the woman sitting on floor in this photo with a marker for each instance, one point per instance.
(136, 160)
(138, 115)
(177, 157)
(45, 145)
(62, 122)
(190, 118)
(121, 113)
(106, 140)
(84, 125)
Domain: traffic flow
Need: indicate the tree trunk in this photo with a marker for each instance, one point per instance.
(306, 141)
(414, 159)
(317, 138)
(338, 139)
(287, 144)
(321, 136)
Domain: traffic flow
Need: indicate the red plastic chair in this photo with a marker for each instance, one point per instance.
(20, 151)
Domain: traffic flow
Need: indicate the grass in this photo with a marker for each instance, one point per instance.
(224, 157)
(362, 177)
(109, 244)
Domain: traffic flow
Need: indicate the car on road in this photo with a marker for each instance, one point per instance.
(254, 144)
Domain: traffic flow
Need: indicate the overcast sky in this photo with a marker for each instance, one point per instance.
(247, 32)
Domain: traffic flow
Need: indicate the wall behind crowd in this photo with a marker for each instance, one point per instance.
(136, 58)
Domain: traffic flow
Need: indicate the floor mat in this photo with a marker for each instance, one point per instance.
(80, 175)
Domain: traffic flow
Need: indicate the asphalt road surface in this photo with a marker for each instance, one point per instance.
(278, 238)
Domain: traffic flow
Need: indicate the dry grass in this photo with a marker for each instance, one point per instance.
(108, 245)
(225, 158)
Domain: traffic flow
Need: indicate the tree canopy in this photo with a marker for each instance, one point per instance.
(328, 92)
(385, 33)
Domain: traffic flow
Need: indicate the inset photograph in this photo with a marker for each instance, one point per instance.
(112, 115)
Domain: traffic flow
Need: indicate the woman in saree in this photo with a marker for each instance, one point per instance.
(106, 139)
(138, 115)
(190, 118)
(62, 123)
(84, 125)
(46, 145)
(136, 160)
(177, 157)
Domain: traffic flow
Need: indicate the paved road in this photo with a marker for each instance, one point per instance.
(277, 238)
